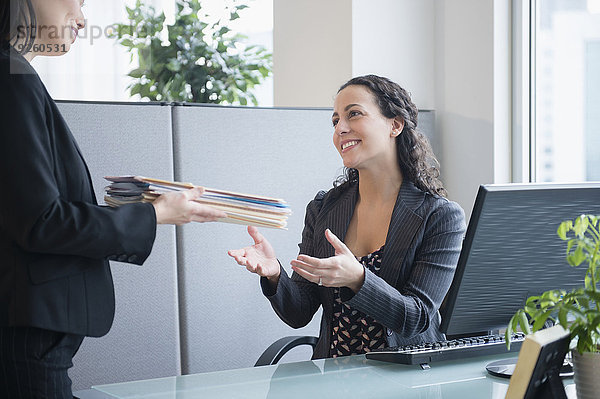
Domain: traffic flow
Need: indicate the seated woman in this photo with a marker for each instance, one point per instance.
(379, 250)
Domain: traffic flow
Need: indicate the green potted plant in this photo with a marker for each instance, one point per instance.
(577, 310)
(198, 60)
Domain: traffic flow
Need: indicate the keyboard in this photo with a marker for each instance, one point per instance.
(447, 350)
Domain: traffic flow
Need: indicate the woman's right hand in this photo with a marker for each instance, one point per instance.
(180, 208)
(259, 258)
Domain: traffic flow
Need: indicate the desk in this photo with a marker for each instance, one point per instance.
(349, 377)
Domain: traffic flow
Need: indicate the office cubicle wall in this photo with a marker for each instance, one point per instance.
(190, 308)
(144, 339)
(284, 153)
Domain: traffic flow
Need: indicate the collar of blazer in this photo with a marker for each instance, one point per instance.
(404, 224)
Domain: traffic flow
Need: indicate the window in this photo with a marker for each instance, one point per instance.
(96, 67)
(566, 90)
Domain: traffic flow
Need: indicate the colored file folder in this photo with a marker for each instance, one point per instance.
(246, 209)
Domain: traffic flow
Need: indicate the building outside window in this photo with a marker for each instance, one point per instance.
(567, 90)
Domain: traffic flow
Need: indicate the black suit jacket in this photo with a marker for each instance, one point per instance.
(54, 238)
(421, 251)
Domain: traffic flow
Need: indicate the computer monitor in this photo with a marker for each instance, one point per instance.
(511, 251)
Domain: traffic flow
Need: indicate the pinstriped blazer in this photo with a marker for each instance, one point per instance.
(423, 243)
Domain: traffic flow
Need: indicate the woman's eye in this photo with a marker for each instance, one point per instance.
(334, 122)
(353, 113)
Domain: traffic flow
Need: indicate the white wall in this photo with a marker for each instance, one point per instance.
(395, 38)
(464, 102)
(452, 55)
(312, 51)
(472, 86)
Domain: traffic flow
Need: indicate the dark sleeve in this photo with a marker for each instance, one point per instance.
(409, 309)
(32, 212)
(295, 299)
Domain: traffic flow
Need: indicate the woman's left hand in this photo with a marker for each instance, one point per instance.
(340, 270)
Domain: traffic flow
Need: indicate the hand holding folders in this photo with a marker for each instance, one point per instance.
(246, 209)
(180, 207)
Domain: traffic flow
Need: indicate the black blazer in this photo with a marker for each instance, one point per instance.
(421, 251)
(54, 238)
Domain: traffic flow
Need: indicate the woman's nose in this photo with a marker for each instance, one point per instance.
(80, 20)
(341, 127)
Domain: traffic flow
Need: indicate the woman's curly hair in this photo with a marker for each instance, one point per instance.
(415, 156)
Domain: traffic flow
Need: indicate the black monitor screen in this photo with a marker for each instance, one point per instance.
(511, 251)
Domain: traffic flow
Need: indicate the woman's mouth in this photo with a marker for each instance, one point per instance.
(347, 145)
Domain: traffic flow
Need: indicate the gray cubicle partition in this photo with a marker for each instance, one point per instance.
(190, 308)
(285, 153)
(144, 339)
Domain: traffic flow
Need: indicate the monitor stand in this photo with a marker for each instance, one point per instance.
(505, 367)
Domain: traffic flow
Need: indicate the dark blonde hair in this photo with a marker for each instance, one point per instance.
(18, 22)
(415, 156)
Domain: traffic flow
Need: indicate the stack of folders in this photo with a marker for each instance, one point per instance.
(246, 209)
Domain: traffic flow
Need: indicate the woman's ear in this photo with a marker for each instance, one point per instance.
(397, 126)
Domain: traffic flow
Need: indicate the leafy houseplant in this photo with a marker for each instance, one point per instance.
(198, 62)
(578, 310)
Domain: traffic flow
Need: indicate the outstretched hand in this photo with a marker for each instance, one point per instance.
(259, 258)
(340, 270)
(179, 208)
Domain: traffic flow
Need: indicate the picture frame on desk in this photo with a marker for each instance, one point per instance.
(537, 373)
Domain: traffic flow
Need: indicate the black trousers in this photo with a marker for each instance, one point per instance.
(34, 362)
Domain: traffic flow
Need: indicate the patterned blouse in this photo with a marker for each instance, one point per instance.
(353, 331)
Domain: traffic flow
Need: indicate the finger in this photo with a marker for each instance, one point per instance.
(335, 242)
(307, 275)
(255, 234)
(314, 262)
(199, 188)
(239, 260)
(203, 213)
(251, 268)
(236, 252)
(260, 270)
(194, 193)
(208, 211)
(306, 266)
(251, 265)
(239, 255)
(219, 214)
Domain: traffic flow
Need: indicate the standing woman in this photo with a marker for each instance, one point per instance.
(55, 241)
(379, 250)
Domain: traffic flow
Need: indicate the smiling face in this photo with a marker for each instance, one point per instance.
(363, 136)
(58, 22)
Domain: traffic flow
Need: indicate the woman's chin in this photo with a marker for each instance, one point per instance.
(350, 163)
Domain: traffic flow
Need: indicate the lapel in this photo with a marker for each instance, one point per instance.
(338, 218)
(87, 171)
(404, 224)
(90, 184)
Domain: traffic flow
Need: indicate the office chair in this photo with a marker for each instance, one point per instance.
(277, 349)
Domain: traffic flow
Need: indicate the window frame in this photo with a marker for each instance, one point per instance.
(523, 91)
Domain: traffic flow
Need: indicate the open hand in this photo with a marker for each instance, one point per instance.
(259, 258)
(340, 270)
